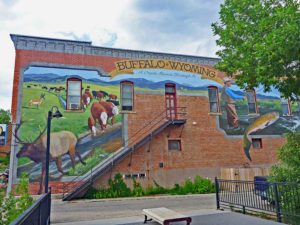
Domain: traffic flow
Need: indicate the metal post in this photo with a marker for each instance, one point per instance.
(278, 215)
(48, 150)
(217, 193)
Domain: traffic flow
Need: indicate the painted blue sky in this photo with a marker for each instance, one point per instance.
(155, 75)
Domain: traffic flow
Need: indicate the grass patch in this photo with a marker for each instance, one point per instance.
(118, 188)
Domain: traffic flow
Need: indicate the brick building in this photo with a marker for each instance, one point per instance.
(153, 116)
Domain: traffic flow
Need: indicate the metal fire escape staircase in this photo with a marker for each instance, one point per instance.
(142, 136)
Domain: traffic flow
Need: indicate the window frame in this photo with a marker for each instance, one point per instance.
(67, 90)
(258, 140)
(121, 94)
(218, 98)
(175, 150)
(255, 99)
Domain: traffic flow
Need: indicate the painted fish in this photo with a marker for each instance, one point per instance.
(259, 124)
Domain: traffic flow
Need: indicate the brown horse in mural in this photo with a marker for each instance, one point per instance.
(61, 143)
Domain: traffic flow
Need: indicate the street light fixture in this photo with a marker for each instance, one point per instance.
(57, 114)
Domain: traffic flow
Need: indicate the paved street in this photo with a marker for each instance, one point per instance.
(127, 211)
(87, 210)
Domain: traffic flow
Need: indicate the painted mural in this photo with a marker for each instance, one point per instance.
(88, 131)
(90, 128)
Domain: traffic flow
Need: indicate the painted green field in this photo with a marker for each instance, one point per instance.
(35, 119)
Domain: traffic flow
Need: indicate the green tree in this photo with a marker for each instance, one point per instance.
(4, 116)
(288, 169)
(260, 43)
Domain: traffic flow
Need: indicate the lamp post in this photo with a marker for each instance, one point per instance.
(57, 114)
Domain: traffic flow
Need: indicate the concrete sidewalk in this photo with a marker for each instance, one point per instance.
(198, 218)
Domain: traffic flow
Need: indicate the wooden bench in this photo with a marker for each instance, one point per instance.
(164, 216)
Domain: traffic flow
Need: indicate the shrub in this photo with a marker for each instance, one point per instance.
(11, 207)
(118, 188)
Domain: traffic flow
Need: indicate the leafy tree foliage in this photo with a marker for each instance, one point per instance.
(260, 43)
(4, 116)
(289, 155)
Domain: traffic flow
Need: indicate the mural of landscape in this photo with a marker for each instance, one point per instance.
(88, 136)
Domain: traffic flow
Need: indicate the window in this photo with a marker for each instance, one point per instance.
(171, 105)
(74, 86)
(257, 143)
(286, 107)
(127, 95)
(214, 102)
(252, 103)
(174, 145)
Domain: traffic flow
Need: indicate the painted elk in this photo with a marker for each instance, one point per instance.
(61, 143)
(36, 102)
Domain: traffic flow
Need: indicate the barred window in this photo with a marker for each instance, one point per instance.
(74, 86)
(127, 95)
(174, 145)
(214, 102)
(257, 143)
(252, 102)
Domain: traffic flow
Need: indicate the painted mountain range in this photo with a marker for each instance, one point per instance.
(138, 82)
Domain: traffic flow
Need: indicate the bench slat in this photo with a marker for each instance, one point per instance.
(162, 214)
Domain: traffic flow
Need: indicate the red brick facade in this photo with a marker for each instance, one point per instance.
(204, 148)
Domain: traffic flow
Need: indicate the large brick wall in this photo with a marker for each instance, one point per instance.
(205, 149)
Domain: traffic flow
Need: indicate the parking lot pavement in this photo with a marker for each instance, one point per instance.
(204, 218)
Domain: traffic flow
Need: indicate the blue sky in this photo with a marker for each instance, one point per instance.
(173, 26)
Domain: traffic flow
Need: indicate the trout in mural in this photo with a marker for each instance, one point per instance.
(260, 123)
(61, 143)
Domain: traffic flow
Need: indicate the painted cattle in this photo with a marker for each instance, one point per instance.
(111, 110)
(99, 114)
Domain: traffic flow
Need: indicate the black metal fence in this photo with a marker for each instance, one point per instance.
(37, 214)
(278, 200)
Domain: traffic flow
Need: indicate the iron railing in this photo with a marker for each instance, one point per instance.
(37, 214)
(129, 145)
(280, 201)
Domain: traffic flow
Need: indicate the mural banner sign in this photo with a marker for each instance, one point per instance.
(3, 134)
(127, 67)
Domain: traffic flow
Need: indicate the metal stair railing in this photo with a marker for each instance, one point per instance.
(129, 145)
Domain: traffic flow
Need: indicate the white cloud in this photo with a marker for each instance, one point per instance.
(165, 26)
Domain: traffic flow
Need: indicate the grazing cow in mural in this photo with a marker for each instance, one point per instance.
(111, 111)
(99, 114)
(44, 87)
(61, 143)
(94, 94)
(85, 100)
(37, 102)
(91, 124)
(112, 97)
(28, 86)
(100, 95)
(87, 91)
(116, 103)
(105, 94)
